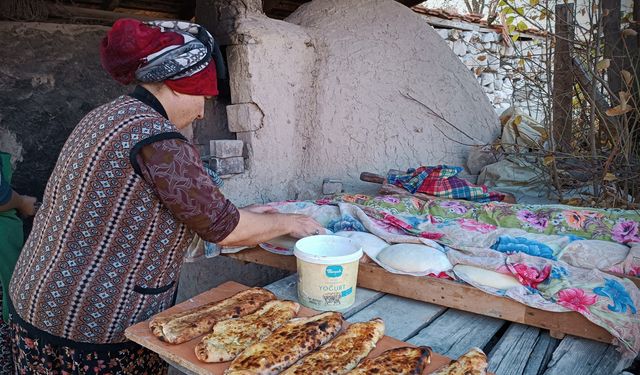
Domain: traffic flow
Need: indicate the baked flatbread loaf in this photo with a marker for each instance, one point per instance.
(399, 361)
(230, 337)
(184, 326)
(343, 353)
(473, 362)
(286, 345)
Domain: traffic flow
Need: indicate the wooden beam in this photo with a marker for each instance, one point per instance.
(72, 12)
(451, 294)
(110, 4)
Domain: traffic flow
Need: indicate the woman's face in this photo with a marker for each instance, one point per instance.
(188, 108)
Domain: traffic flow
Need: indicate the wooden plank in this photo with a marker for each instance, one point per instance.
(403, 317)
(541, 354)
(451, 294)
(518, 342)
(287, 288)
(579, 356)
(183, 355)
(455, 332)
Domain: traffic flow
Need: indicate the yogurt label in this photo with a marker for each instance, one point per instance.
(333, 271)
(327, 287)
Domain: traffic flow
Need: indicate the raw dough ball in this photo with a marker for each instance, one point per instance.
(481, 276)
(414, 258)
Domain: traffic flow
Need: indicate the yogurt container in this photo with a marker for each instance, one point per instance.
(327, 271)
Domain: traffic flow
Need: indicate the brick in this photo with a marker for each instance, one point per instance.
(244, 117)
(224, 166)
(225, 148)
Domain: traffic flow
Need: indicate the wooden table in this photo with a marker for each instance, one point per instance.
(513, 349)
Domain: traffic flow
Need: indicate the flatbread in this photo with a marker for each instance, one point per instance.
(474, 362)
(414, 258)
(482, 277)
(399, 361)
(343, 353)
(286, 345)
(184, 326)
(285, 242)
(230, 337)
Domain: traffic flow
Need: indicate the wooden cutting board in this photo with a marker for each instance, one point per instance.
(184, 355)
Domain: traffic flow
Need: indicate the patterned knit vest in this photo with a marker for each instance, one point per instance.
(104, 252)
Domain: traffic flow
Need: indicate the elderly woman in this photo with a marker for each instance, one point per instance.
(125, 198)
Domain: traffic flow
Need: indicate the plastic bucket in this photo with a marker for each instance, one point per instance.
(327, 271)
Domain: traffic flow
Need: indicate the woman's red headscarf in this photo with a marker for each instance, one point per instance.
(174, 52)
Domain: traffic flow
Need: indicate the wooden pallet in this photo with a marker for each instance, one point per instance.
(451, 294)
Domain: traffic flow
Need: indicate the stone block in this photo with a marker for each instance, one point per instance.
(487, 79)
(331, 186)
(467, 35)
(459, 48)
(444, 33)
(474, 48)
(493, 62)
(488, 88)
(244, 117)
(470, 62)
(454, 34)
(225, 166)
(497, 84)
(488, 37)
(225, 148)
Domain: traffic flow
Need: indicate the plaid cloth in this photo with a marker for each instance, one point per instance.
(442, 181)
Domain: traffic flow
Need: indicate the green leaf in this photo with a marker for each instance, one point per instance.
(515, 38)
(534, 2)
(510, 20)
(603, 65)
(520, 10)
(522, 26)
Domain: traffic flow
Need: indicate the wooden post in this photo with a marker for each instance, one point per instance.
(613, 48)
(563, 78)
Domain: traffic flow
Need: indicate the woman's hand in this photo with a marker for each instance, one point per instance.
(303, 226)
(260, 209)
(27, 206)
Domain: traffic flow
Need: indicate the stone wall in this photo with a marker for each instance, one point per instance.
(50, 77)
(503, 69)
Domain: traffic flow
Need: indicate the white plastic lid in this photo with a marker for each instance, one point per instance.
(327, 249)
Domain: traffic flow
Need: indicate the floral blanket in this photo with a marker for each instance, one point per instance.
(559, 254)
